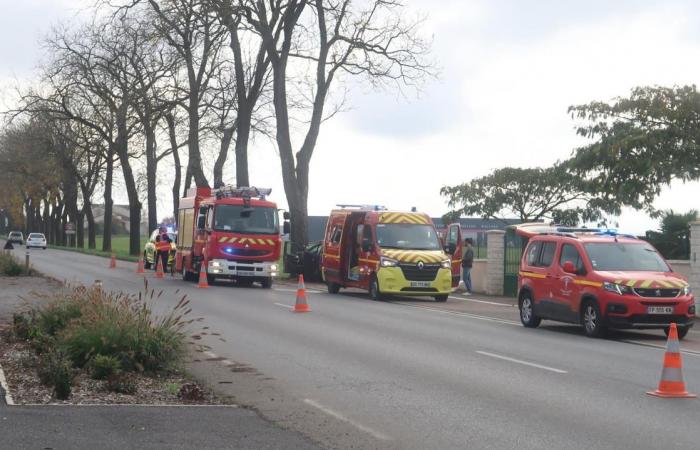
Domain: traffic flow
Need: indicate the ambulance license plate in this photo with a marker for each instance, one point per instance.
(420, 284)
(660, 309)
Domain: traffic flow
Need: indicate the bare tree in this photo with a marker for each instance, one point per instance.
(335, 38)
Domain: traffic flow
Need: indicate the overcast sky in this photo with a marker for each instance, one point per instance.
(509, 70)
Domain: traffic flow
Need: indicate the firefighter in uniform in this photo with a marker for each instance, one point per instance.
(162, 249)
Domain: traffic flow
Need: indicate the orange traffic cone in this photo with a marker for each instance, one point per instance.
(113, 262)
(159, 269)
(139, 267)
(671, 384)
(301, 305)
(203, 283)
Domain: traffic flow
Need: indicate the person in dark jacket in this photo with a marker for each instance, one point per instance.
(467, 262)
(162, 249)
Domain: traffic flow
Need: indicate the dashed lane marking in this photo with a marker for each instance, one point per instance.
(662, 347)
(519, 361)
(337, 415)
(481, 301)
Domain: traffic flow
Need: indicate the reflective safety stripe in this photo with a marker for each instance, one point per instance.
(665, 284)
(532, 275)
(223, 239)
(672, 360)
(671, 374)
(631, 283)
(588, 283)
(645, 284)
(415, 256)
(673, 346)
(418, 219)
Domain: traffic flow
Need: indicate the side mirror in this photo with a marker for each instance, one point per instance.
(569, 267)
(201, 222)
(451, 248)
(286, 215)
(286, 228)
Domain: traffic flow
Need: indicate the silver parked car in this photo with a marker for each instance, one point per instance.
(16, 237)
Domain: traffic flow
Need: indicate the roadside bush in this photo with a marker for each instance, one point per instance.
(21, 325)
(123, 383)
(191, 393)
(56, 370)
(104, 367)
(10, 265)
(57, 315)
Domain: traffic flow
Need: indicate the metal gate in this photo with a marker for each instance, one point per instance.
(513, 250)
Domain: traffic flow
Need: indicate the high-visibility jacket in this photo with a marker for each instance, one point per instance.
(163, 244)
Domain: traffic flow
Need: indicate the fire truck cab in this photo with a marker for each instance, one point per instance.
(386, 253)
(231, 232)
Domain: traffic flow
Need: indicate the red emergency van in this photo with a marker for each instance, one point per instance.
(389, 253)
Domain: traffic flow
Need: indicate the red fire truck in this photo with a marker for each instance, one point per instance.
(231, 232)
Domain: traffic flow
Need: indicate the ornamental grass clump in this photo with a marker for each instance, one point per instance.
(10, 265)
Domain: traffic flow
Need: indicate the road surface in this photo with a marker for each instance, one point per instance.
(416, 374)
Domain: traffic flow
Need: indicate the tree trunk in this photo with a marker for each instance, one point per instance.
(242, 178)
(92, 241)
(188, 181)
(107, 231)
(195, 157)
(151, 171)
(178, 168)
(130, 182)
(223, 155)
(80, 227)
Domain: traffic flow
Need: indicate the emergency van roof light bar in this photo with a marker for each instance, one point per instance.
(242, 192)
(364, 207)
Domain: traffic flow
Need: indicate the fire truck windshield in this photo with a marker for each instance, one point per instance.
(239, 219)
(407, 236)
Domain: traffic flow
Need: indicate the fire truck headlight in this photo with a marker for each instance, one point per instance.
(446, 264)
(273, 268)
(215, 264)
(388, 262)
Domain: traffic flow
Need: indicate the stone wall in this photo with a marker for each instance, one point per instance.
(479, 277)
(495, 254)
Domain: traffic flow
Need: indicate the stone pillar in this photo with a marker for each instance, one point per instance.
(694, 278)
(495, 255)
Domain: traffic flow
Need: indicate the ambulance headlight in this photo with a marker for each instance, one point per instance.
(446, 264)
(388, 262)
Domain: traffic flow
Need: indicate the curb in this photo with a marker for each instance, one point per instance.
(6, 398)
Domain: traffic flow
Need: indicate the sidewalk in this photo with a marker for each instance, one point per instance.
(142, 427)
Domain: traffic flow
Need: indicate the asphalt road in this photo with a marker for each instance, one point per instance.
(412, 374)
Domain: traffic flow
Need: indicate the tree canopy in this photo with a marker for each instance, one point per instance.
(531, 195)
(641, 143)
(673, 237)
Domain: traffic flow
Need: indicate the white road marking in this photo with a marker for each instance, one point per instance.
(662, 347)
(337, 415)
(308, 291)
(518, 361)
(3, 383)
(481, 301)
(211, 354)
(463, 314)
(284, 306)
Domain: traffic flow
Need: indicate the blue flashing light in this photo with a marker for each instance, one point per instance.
(228, 250)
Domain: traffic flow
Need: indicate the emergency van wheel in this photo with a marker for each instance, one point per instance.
(682, 331)
(527, 311)
(266, 283)
(146, 264)
(374, 292)
(333, 288)
(592, 320)
(441, 298)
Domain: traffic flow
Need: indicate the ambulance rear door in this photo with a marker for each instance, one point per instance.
(454, 248)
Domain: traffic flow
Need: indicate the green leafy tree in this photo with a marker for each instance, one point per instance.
(531, 195)
(673, 237)
(641, 143)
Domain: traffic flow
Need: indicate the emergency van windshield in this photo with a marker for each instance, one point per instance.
(239, 219)
(625, 257)
(407, 236)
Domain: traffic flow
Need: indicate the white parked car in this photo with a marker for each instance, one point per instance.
(36, 240)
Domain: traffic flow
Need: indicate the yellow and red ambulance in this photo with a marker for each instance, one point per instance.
(388, 253)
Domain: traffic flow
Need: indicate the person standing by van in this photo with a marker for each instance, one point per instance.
(467, 262)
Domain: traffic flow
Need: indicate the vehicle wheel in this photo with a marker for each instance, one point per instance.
(374, 292)
(333, 288)
(266, 283)
(186, 274)
(44, 248)
(441, 298)
(527, 311)
(682, 331)
(211, 279)
(146, 264)
(592, 320)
